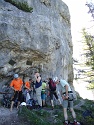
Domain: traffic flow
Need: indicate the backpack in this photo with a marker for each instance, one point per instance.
(6, 101)
(32, 102)
(52, 85)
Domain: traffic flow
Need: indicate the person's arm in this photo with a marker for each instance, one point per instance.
(66, 93)
(66, 88)
(37, 75)
(45, 86)
(21, 84)
(38, 78)
(48, 86)
(27, 86)
(11, 86)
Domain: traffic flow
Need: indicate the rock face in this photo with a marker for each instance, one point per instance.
(36, 41)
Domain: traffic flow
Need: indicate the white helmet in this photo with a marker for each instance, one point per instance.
(23, 104)
(16, 76)
(55, 79)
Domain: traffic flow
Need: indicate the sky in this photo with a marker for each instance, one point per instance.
(80, 19)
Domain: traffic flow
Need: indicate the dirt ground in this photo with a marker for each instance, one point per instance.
(9, 118)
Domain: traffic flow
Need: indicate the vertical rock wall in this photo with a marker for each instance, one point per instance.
(36, 41)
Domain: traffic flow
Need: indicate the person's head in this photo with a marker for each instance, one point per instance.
(16, 76)
(44, 81)
(56, 80)
(30, 80)
(50, 79)
(37, 74)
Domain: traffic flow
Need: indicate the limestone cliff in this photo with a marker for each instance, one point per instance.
(36, 41)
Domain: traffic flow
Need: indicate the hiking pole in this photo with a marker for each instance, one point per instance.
(5, 93)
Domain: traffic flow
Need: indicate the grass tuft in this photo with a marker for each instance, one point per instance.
(22, 6)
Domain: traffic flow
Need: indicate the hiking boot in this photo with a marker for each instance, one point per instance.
(65, 123)
(75, 123)
(39, 107)
(52, 107)
(60, 106)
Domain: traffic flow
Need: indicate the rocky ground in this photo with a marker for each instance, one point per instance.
(8, 118)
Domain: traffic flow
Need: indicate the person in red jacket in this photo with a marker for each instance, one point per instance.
(16, 85)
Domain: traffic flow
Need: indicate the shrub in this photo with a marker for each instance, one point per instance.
(34, 117)
(47, 116)
(22, 6)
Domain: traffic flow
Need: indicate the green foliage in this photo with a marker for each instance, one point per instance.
(90, 6)
(35, 117)
(89, 121)
(22, 6)
(88, 48)
(88, 105)
(56, 117)
(42, 117)
(90, 86)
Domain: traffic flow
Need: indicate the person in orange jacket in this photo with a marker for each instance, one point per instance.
(28, 88)
(16, 85)
(27, 85)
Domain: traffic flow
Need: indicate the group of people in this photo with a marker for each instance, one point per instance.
(40, 88)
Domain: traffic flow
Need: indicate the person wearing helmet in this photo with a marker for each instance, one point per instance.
(16, 85)
(65, 90)
(53, 92)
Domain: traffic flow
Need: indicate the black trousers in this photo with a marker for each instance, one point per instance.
(18, 96)
(53, 93)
